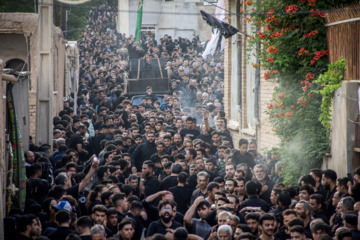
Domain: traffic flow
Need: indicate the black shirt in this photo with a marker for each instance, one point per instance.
(330, 208)
(75, 139)
(142, 153)
(86, 237)
(22, 237)
(182, 197)
(138, 225)
(73, 191)
(159, 227)
(168, 182)
(152, 186)
(189, 133)
(61, 233)
(254, 201)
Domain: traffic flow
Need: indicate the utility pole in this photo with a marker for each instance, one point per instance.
(45, 81)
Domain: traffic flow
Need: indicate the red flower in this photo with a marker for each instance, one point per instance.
(292, 107)
(303, 1)
(280, 114)
(301, 51)
(272, 49)
(268, 28)
(291, 8)
(312, 2)
(270, 19)
(306, 51)
(281, 95)
(247, 2)
(278, 35)
(270, 60)
(312, 62)
(288, 114)
(261, 35)
(266, 75)
(274, 71)
(270, 12)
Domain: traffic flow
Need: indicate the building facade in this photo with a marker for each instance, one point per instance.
(246, 91)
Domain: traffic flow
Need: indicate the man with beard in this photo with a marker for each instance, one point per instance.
(230, 185)
(202, 182)
(212, 188)
(241, 191)
(178, 146)
(200, 166)
(329, 181)
(233, 205)
(229, 170)
(199, 226)
(317, 205)
(165, 222)
(266, 183)
(267, 227)
(99, 217)
(252, 220)
(303, 211)
(76, 142)
(287, 216)
(148, 182)
(28, 227)
(144, 151)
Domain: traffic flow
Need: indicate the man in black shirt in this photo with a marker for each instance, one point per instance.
(63, 220)
(144, 151)
(134, 214)
(190, 131)
(182, 194)
(76, 142)
(329, 181)
(171, 181)
(253, 200)
(148, 183)
(165, 222)
(28, 227)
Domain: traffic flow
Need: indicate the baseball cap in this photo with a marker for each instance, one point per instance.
(63, 205)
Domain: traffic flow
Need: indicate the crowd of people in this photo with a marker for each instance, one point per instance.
(166, 170)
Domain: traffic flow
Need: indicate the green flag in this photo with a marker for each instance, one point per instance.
(138, 21)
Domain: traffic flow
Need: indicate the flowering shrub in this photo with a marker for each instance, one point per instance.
(294, 54)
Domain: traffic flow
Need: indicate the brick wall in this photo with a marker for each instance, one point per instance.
(267, 139)
(227, 66)
(264, 135)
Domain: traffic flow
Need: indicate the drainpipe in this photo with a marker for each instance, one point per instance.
(256, 88)
(239, 72)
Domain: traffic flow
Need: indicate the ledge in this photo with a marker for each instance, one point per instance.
(233, 125)
(249, 131)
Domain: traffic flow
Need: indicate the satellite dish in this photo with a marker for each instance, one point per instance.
(74, 2)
